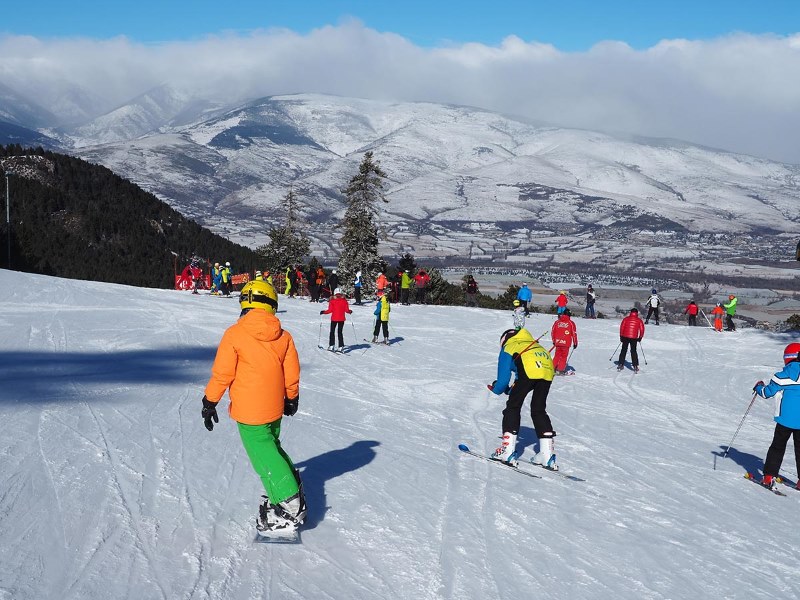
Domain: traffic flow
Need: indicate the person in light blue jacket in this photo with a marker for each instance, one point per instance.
(785, 387)
(524, 295)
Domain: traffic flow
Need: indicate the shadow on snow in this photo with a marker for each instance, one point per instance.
(41, 376)
(320, 469)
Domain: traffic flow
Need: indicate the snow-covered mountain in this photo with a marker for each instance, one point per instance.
(112, 488)
(19, 110)
(160, 107)
(459, 177)
(464, 183)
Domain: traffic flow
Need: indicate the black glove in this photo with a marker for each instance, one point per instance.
(209, 412)
(639, 340)
(322, 312)
(290, 406)
(758, 383)
(490, 386)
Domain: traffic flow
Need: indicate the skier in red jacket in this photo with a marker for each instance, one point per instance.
(631, 331)
(338, 307)
(692, 309)
(564, 334)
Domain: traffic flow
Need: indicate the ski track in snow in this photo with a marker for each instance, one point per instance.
(110, 486)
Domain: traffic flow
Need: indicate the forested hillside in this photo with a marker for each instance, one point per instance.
(71, 218)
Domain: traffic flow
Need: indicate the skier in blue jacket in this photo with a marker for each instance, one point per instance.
(524, 295)
(785, 386)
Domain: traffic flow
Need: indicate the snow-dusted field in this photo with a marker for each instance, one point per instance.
(110, 486)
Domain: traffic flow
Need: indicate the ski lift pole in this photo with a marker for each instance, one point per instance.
(615, 351)
(725, 454)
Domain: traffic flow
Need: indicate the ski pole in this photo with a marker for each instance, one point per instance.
(319, 341)
(641, 347)
(615, 351)
(702, 312)
(725, 454)
(354, 330)
(544, 334)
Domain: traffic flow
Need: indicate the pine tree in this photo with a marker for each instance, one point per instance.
(360, 238)
(287, 245)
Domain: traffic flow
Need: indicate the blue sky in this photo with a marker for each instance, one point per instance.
(569, 25)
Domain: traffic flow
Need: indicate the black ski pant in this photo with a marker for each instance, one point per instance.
(772, 465)
(652, 312)
(404, 295)
(729, 323)
(358, 295)
(622, 353)
(421, 295)
(513, 410)
(524, 304)
(378, 324)
(334, 326)
(693, 320)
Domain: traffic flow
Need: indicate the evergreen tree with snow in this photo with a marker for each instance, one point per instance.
(360, 225)
(287, 244)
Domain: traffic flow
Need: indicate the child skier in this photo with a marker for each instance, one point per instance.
(631, 331)
(561, 302)
(564, 334)
(337, 308)
(257, 362)
(718, 312)
(522, 355)
(785, 384)
(381, 313)
(518, 314)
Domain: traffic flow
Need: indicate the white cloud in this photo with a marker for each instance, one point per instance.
(739, 92)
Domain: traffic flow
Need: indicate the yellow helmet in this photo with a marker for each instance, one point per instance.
(259, 294)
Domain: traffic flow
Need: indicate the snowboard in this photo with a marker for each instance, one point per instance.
(278, 537)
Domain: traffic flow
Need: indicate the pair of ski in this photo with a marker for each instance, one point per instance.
(464, 448)
(377, 343)
(777, 492)
(345, 351)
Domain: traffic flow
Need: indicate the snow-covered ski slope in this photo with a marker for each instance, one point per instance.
(110, 486)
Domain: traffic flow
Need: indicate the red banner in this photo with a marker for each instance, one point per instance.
(187, 283)
(240, 278)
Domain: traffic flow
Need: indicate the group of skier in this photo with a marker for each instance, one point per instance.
(257, 363)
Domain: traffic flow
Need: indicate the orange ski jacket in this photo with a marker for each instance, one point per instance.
(258, 361)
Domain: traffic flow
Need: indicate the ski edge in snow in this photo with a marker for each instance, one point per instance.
(750, 477)
(559, 473)
(464, 448)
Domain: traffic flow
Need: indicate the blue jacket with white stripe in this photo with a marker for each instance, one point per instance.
(785, 386)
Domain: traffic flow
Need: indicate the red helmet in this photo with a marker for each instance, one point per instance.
(731, 297)
(791, 353)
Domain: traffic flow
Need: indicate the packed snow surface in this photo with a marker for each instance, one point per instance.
(110, 486)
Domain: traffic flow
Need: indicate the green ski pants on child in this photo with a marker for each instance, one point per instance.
(269, 460)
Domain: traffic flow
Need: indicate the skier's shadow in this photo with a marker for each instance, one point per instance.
(749, 462)
(316, 471)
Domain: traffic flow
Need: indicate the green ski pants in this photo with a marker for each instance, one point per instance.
(269, 460)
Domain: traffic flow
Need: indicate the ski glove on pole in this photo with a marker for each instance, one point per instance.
(209, 412)
(290, 406)
(757, 387)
